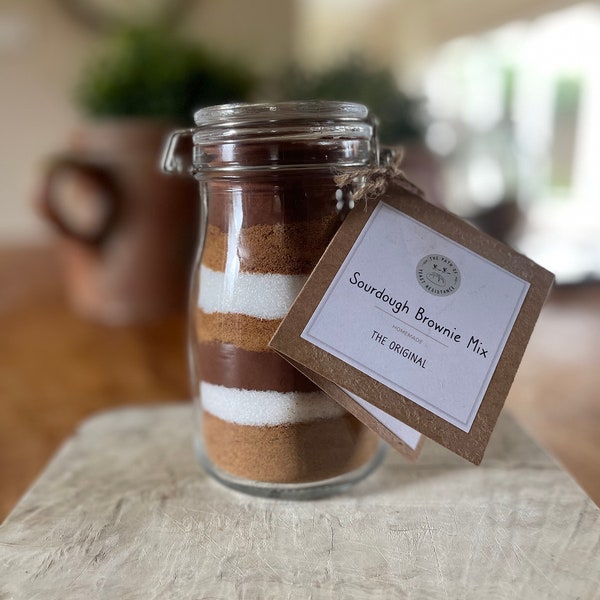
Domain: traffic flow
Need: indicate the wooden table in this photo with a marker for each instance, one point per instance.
(124, 511)
(56, 369)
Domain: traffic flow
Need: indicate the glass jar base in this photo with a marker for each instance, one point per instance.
(292, 491)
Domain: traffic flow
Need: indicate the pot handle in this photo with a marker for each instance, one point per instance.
(174, 162)
(80, 198)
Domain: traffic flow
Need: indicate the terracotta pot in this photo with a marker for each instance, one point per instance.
(127, 231)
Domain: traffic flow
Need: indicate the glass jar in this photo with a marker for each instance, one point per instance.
(269, 207)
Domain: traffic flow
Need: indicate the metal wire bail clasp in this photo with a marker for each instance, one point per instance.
(175, 162)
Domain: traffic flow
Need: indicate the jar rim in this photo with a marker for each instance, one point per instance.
(239, 113)
(311, 134)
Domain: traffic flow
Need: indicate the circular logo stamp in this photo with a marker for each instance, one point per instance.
(438, 275)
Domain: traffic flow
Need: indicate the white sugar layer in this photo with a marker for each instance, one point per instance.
(261, 295)
(251, 407)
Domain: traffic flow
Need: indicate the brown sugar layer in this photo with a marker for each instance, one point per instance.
(249, 333)
(233, 367)
(298, 453)
(293, 248)
(271, 199)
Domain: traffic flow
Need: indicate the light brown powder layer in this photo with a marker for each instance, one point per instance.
(292, 248)
(248, 333)
(298, 453)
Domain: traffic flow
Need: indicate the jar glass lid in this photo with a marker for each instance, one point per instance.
(314, 134)
(232, 115)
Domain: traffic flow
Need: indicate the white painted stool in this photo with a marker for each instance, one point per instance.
(124, 512)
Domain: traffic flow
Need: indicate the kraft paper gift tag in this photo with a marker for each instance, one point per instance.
(415, 322)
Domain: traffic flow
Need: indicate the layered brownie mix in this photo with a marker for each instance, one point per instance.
(262, 419)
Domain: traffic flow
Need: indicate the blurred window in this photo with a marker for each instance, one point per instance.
(516, 114)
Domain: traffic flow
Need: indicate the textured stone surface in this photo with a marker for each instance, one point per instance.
(123, 511)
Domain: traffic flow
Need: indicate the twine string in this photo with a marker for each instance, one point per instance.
(376, 180)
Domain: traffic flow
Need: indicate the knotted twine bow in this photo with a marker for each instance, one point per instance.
(376, 180)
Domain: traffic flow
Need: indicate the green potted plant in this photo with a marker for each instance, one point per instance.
(151, 73)
(129, 231)
(400, 115)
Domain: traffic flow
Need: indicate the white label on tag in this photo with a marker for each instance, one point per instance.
(419, 313)
(411, 437)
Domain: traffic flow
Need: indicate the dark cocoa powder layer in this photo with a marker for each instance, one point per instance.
(248, 333)
(234, 367)
(295, 453)
(291, 249)
(290, 152)
(271, 199)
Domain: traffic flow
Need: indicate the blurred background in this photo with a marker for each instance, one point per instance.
(506, 99)
(496, 104)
